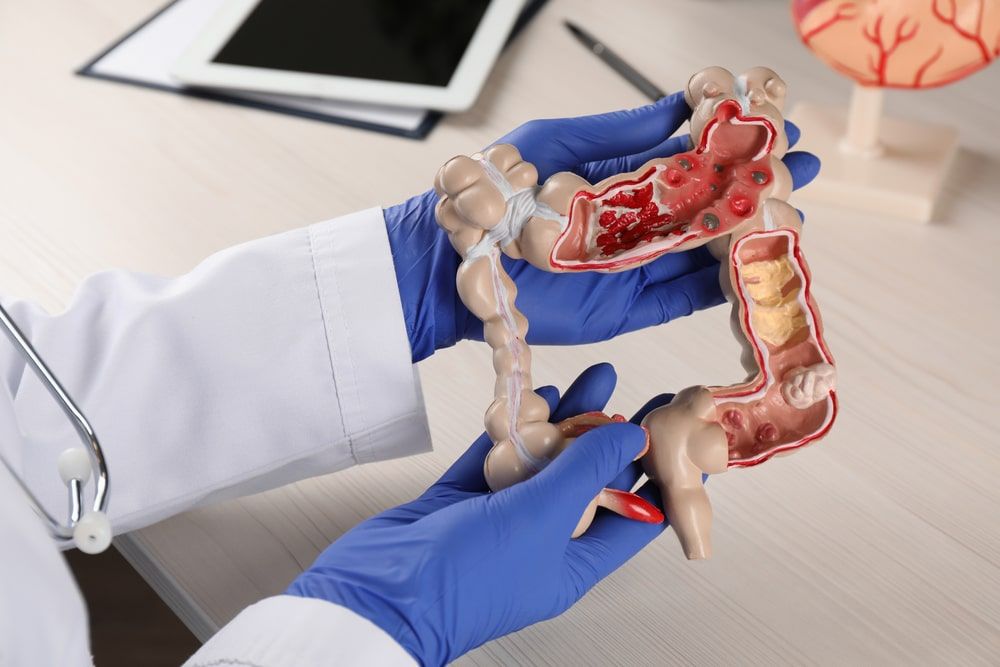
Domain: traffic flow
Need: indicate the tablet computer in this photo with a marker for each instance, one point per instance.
(430, 54)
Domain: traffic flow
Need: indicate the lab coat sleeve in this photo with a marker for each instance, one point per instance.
(290, 631)
(272, 361)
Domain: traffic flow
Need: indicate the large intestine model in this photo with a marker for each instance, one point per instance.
(727, 192)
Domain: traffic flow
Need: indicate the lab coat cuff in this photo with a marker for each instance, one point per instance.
(289, 630)
(379, 390)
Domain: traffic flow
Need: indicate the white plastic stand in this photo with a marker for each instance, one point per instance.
(875, 164)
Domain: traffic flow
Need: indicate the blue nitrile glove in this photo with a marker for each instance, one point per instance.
(566, 308)
(460, 566)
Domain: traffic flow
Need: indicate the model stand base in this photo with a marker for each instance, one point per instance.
(902, 179)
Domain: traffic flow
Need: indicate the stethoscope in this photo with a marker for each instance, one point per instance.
(89, 530)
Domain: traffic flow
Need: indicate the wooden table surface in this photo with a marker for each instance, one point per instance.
(880, 545)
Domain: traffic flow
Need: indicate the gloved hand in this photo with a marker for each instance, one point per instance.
(566, 308)
(460, 566)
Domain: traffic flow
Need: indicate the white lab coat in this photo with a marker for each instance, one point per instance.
(273, 361)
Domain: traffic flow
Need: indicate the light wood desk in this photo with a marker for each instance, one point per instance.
(881, 545)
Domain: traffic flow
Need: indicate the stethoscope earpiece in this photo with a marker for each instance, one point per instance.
(89, 530)
(92, 530)
(92, 533)
(74, 463)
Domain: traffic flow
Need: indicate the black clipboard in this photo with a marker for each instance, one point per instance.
(431, 118)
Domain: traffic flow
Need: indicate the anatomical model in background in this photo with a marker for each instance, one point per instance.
(889, 166)
(901, 43)
(728, 192)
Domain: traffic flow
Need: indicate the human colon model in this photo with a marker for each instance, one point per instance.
(727, 192)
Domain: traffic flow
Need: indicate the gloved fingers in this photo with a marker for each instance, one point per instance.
(639, 135)
(657, 401)
(674, 265)
(601, 169)
(803, 166)
(607, 135)
(628, 477)
(792, 132)
(559, 144)
(621, 164)
(415, 510)
(590, 391)
(610, 541)
(466, 473)
(669, 300)
(566, 486)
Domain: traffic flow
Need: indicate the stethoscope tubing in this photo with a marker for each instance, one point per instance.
(63, 532)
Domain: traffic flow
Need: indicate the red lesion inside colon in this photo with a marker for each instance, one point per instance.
(768, 423)
(697, 195)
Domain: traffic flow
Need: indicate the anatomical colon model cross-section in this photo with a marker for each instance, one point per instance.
(728, 193)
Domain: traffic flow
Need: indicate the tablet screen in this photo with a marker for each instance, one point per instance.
(404, 41)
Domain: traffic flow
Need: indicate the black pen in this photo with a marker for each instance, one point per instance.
(615, 62)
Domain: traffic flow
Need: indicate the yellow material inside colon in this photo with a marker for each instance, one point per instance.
(776, 316)
(764, 280)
